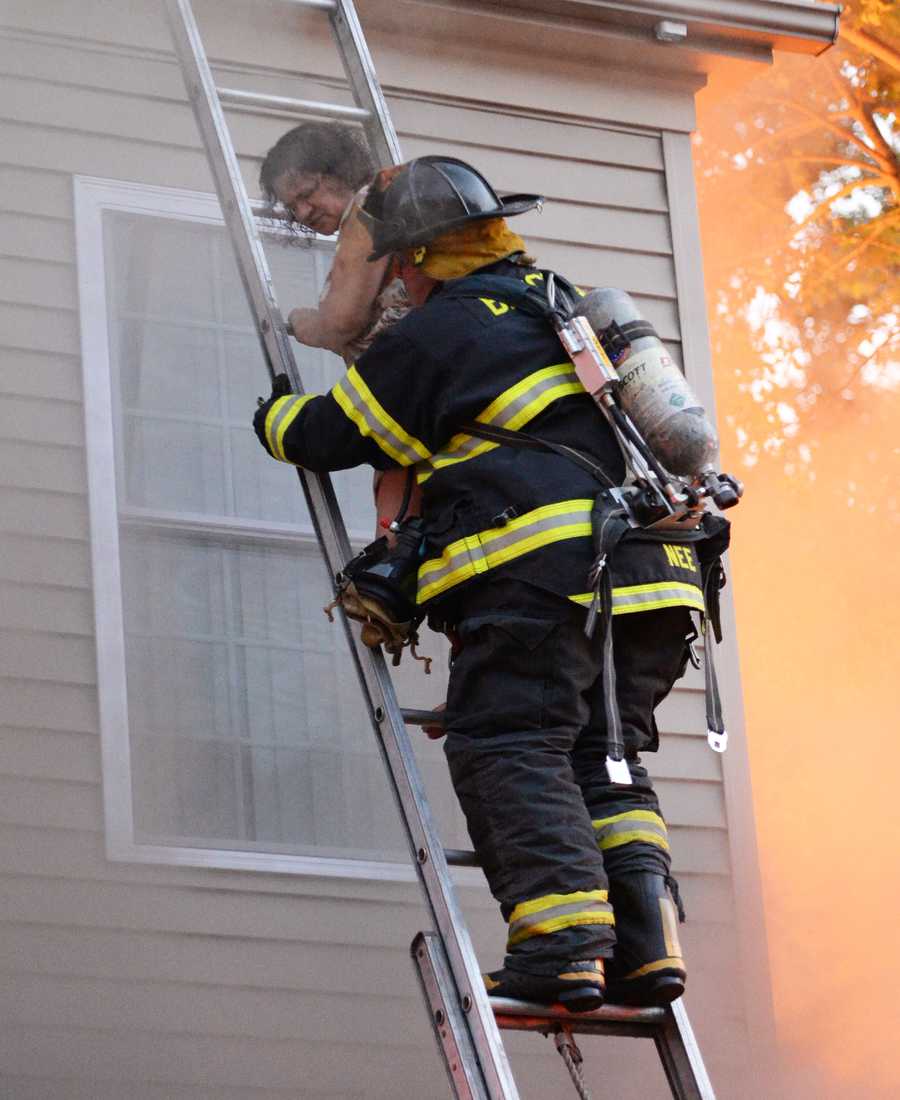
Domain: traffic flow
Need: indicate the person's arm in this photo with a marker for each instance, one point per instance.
(372, 416)
(345, 308)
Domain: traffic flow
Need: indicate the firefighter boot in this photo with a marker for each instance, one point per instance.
(647, 967)
(578, 986)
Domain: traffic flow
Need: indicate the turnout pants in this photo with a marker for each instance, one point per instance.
(526, 748)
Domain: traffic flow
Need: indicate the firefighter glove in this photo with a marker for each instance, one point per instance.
(281, 387)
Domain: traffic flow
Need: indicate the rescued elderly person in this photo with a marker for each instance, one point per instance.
(320, 173)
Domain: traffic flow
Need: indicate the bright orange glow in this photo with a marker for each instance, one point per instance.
(816, 587)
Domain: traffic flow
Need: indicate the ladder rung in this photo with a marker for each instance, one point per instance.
(238, 98)
(319, 5)
(265, 212)
(414, 717)
(459, 857)
(608, 1020)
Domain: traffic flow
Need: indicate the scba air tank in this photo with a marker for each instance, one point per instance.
(653, 390)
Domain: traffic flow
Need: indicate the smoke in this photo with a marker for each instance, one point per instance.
(816, 600)
(816, 589)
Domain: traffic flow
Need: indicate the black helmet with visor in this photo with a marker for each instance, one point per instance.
(431, 196)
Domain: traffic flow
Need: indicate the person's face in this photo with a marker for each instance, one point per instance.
(315, 201)
(418, 285)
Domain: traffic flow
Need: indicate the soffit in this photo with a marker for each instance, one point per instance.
(713, 26)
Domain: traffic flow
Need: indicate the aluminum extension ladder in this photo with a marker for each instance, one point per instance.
(466, 1021)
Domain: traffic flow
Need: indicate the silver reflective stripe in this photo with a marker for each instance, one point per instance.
(530, 921)
(625, 829)
(644, 597)
(480, 552)
(513, 412)
(285, 408)
(372, 420)
(557, 917)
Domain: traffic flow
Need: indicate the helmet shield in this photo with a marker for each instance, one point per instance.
(431, 196)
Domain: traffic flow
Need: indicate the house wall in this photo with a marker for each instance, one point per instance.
(184, 983)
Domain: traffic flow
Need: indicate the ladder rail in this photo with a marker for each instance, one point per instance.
(374, 676)
(447, 1016)
(360, 70)
(681, 1058)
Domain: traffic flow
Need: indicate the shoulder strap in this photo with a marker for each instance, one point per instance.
(524, 441)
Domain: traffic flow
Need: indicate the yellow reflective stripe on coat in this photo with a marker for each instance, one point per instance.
(511, 410)
(279, 418)
(371, 419)
(553, 912)
(633, 825)
(649, 597)
(485, 550)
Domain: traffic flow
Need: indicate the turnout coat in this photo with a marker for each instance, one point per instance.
(490, 509)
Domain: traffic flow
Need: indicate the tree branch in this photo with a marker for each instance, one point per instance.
(857, 370)
(890, 154)
(869, 44)
(779, 138)
(883, 155)
(885, 247)
(847, 135)
(883, 151)
(849, 161)
(869, 237)
(824, 207)
(858, 110)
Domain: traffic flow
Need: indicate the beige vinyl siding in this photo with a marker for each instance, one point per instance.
(157, 982)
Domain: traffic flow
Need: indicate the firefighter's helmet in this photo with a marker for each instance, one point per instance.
(431, 196)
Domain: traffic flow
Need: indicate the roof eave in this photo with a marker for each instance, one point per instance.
(797, 26)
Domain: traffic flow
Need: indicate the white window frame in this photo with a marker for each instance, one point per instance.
(93, 198)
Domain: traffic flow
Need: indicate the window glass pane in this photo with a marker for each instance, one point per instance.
(168, 367)
(174, 465)
(161, 267)
(178, 687)
(247, 726)
(190, 368)
(264, 489)
(185, 791)
(190, 579)
(228, 649)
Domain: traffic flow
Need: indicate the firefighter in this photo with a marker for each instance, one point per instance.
(578, 860)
